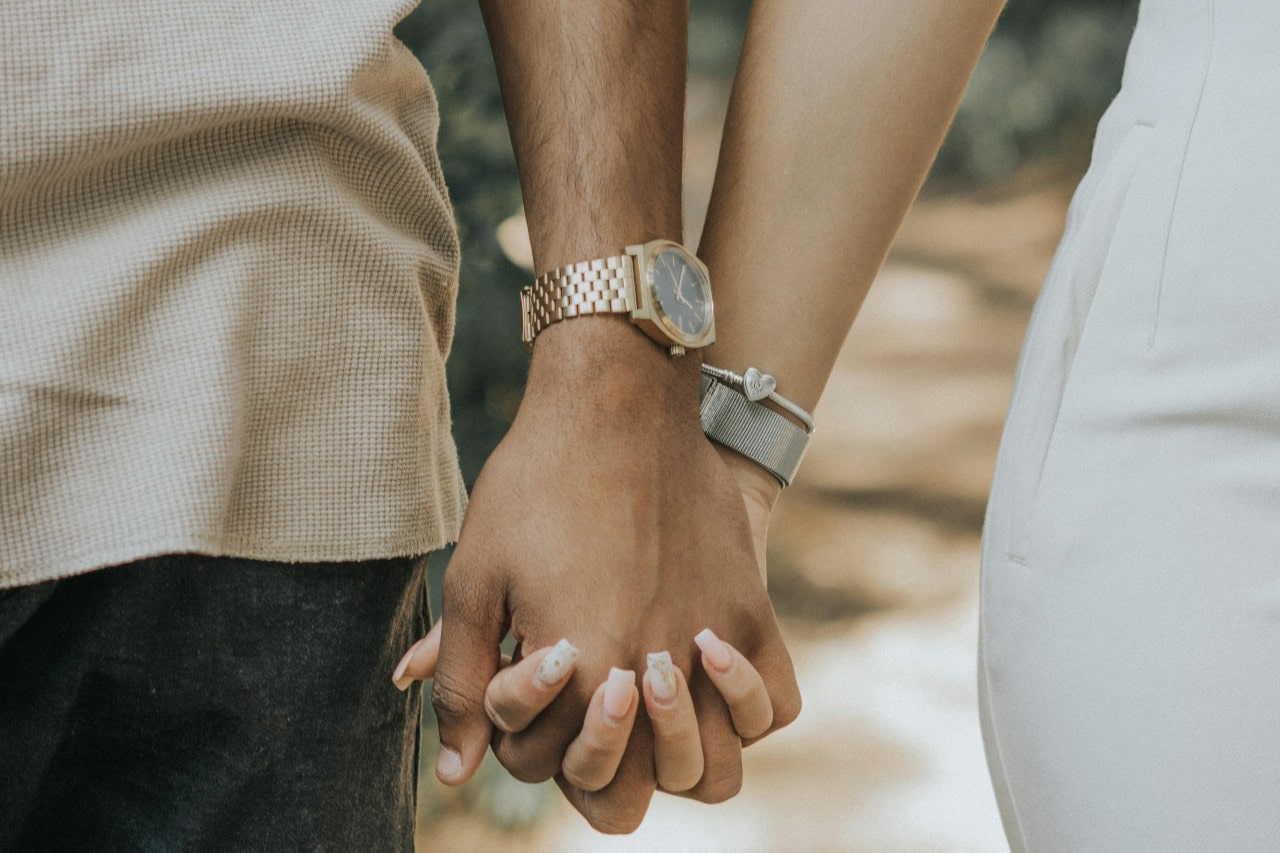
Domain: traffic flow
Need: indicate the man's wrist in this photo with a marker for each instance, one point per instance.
(607, 364)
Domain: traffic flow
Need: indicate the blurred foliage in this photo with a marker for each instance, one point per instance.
(1048, 73)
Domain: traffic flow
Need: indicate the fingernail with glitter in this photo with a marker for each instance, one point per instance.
(556, 665)
(662, 679)
(714, 649)
(619, 691)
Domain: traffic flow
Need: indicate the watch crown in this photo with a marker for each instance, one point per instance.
(677, 351)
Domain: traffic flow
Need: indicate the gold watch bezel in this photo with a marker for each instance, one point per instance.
(648, 313)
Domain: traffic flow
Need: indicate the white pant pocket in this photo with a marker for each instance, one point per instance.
(1054, 339)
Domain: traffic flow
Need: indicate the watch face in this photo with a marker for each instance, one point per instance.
(683, 294)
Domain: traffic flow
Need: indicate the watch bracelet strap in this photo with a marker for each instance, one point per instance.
(601, 286)
(755, 431)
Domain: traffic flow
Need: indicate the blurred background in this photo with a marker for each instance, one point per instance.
(873, 558)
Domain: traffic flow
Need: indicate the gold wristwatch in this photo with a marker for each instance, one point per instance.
(660, 284)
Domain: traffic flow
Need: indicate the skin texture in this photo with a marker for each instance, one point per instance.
(605, 516)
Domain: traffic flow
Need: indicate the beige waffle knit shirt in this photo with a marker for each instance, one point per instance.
(227, 275)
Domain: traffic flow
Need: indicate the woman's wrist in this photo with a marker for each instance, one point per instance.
(756, 482)
(760, 490)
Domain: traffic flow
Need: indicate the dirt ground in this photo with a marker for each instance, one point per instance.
(873, 557)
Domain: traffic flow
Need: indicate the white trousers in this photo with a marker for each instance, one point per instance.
(1130, 639)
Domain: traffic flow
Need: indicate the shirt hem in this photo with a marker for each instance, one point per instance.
(247, 548)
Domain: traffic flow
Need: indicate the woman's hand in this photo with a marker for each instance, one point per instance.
(520, 691)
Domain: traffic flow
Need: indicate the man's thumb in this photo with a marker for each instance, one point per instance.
(472, 625)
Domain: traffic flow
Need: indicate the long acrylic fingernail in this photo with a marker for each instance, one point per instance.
(398, 677)
(448, 764)
(718, 654)
(617, 694)
(556, 665)
(662, 679)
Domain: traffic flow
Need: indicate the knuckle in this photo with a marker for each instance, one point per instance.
(679, 733)
(529, 775)
(718, 785)
(594, 751)
(462, 597)
(618, 825)
(583, 780)
(521, 763)
(451, 703)
(470, 593)
(613, 820)
(590, 767)
(680, 781)
(496, 716)
(786, 710)
(755, 728)
(460, 578)
(571, 776)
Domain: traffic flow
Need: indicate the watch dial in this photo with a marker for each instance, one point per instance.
(683, 293)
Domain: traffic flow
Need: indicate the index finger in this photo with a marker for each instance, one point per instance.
(517, 694)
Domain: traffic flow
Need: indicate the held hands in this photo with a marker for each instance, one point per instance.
(605, 516)
(521, 691)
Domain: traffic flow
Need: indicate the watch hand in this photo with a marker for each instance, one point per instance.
(680, 297)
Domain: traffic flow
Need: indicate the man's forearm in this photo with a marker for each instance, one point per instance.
(838, 110)
(594, 94)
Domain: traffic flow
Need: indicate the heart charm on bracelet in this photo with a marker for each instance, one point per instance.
(756, 385)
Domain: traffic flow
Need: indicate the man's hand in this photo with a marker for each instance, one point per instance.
(520, 692)
(605, 517)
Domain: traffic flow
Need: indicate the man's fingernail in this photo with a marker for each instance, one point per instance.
(717, 653)
(618, 694)
(556, 665)
(398, 677)
(662, 679)
(448, 765)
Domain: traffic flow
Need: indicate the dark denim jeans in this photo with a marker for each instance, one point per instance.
(197, 703)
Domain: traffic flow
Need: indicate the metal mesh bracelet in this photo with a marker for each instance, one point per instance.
(731, 418)
(756, 386)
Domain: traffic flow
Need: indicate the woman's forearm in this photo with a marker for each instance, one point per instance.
(838, 110)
